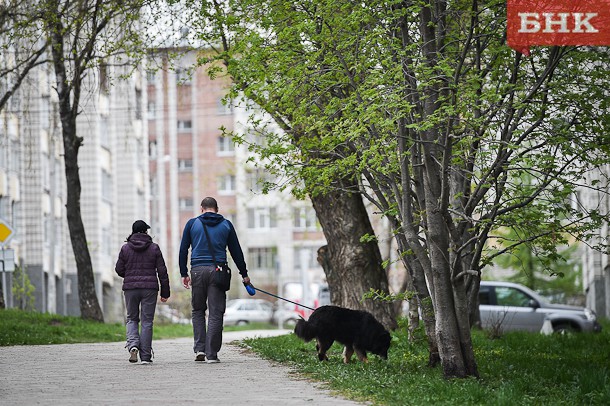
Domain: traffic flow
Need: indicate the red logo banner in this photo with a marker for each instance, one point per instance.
(558, 22)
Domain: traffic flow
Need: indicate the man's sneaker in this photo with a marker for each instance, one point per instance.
(145, 362)
(212, 361)
(200, 356)
(133, 354)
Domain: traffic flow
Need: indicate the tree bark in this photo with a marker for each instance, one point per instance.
(352, 267)
(450, 299)
(69, 95)
(89, 305)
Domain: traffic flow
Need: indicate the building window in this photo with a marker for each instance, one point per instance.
(139, 152)
(151, 110)
(185, 125)
(264, 258)
(3, 158)
(152, 149)
(104, 80)
(185, 165)
(225, 146)
(183, 77)
(305, 218)
(256, 138)
(4, 207)
(226, 184)
(150, 76)
(185, 203)
(138, 104)
(106, 243)
(106, 186)
(258, 180)
(305, 257)
(223, 108)
(154, 186)
(262, 218)
(45, 113)
(45, 171)
(14, 162)
(104, 132)
(48, 229)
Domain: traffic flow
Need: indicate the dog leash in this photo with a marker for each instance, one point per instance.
(252, 290)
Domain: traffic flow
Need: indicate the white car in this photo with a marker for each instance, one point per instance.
(511, 306)
(244, 311)
(285, 315)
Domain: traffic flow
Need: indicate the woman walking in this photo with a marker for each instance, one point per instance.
(142, 268)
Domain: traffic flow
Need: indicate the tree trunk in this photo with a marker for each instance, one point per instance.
(352, 267)
(69, 95)
(89, 305)
(450, 300)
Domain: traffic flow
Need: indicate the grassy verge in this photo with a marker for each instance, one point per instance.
(29, 328)
(517, 369)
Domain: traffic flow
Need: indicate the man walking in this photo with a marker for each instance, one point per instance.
(206, 255)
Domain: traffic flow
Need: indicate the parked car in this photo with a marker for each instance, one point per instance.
(245, 311)
(324, 296)
(285, 315)
(511, 306)
(166, 314)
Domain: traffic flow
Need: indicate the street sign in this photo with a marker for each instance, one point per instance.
(6, 232)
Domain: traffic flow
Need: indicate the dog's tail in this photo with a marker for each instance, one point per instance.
(305, 330)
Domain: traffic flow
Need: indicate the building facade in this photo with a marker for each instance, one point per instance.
(596, 262)
(189, 157)
(192, 155)
(113, 172)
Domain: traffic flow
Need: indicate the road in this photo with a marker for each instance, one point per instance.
(99, 374)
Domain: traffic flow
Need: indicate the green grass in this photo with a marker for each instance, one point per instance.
(30, 328)
(27, 328)
(517, 369)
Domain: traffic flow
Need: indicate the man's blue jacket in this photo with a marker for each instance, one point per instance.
(223, 236)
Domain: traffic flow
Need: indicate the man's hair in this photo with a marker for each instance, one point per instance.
(209, 203)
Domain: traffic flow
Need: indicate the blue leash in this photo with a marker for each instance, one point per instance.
(252, 291)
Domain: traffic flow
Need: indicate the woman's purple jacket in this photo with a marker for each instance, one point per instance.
(141, 265)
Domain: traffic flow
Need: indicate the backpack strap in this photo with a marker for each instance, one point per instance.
(207, 237)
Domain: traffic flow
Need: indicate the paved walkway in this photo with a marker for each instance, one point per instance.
(99, 374)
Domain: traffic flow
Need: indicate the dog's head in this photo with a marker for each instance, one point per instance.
(382, 345)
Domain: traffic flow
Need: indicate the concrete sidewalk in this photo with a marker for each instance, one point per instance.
(99, 374)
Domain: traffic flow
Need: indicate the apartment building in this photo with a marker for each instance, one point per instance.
(113, 169)
(596, 263)
(32, 190)
(191, 158)
(282, 233)
(11, 205)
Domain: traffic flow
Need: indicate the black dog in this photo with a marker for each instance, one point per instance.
(357, 330)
